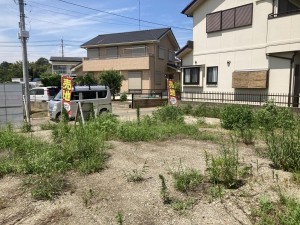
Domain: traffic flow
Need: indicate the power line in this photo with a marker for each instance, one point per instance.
(126, 17)
(119, 22)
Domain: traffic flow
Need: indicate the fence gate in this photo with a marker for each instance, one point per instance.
(11, 104)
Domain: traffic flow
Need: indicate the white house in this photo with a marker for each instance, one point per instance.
(244, 46)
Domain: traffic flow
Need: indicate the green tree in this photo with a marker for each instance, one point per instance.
(49, 79)
(4, 71)
(39, 67)
(113, 79)
(86, 79)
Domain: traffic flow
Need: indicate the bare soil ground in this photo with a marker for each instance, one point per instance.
(97, 198)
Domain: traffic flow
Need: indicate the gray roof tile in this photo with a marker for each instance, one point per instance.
(127, 37)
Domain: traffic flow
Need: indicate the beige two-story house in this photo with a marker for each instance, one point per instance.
(64, 65)
(245, 46)
(145, 58)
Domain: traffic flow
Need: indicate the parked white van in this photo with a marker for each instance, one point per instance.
(98, 95)
(43, 94)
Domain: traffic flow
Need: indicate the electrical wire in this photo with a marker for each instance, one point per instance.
(125, 17)
(86, 14)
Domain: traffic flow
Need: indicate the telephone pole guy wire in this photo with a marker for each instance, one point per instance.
(23, 36)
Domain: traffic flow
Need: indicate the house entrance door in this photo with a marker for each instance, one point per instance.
(296, 86)
(135, 82)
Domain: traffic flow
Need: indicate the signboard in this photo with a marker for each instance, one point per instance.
(172, 93)
(66, 84)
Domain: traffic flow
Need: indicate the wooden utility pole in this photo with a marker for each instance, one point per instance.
(23, 36)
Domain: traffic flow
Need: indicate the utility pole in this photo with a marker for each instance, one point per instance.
(23, 36)
(62, 47)
(139, 15)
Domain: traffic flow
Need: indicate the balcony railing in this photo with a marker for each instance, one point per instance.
(288, 13)
(134, 52)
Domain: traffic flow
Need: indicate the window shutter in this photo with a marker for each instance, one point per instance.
(228, 19)
(243, 15)
(213, 22)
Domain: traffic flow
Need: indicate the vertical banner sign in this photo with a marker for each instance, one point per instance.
(66, 84)
(172, 93)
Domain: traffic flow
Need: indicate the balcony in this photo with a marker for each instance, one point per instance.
(130, 59)
(283, 32)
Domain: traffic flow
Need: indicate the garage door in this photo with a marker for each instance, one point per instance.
(135, 82)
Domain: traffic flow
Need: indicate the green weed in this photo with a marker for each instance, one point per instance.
(296, 177)
(119, 218)
(186, 180)
(136, 175)
(286, 211)
(26, 127)
(46, 187)
(225, 168)
(48, 126)
(284, 148)
(237, 117)
(164, 192)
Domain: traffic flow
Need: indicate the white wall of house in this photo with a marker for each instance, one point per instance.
(244, 48)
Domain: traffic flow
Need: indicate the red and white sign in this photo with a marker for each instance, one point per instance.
(66, 84)
(172, 93)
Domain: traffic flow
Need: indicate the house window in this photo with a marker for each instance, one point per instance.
(212, 75)
(230, 18)
(285, 6)
(111, 52)
(161, 53)
(59, 69)
(171, 56)
(191, 75)
(93, 53)
(135, 51)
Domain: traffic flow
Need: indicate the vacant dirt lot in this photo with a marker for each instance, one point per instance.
(99, 197)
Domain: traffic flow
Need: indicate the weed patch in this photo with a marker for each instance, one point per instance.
(225, 168)
(186, 180)
(286, 211)
(136, 175)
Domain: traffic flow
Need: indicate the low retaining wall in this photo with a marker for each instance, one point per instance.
(147, 103)
(39, 105)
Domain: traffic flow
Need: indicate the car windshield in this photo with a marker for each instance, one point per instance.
(58, 96)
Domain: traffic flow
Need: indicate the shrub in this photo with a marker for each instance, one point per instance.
(169, 114)
(186, 180)
(270, 117)
(284, 149)
(204, 110)
(236, 117)
(123, 97)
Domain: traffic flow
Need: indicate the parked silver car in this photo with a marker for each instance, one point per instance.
(98, 95)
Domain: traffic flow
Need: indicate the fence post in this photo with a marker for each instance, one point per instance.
(260, 99)
(222, 96)
(132, 101)
(192, 96)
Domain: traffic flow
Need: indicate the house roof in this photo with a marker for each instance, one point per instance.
(190, 8)
(185, 49)
(142, 36)
(65, 59)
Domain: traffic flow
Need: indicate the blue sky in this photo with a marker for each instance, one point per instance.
(50, 21)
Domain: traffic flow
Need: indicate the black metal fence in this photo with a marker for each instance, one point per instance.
(241, 98)
(280, 99)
